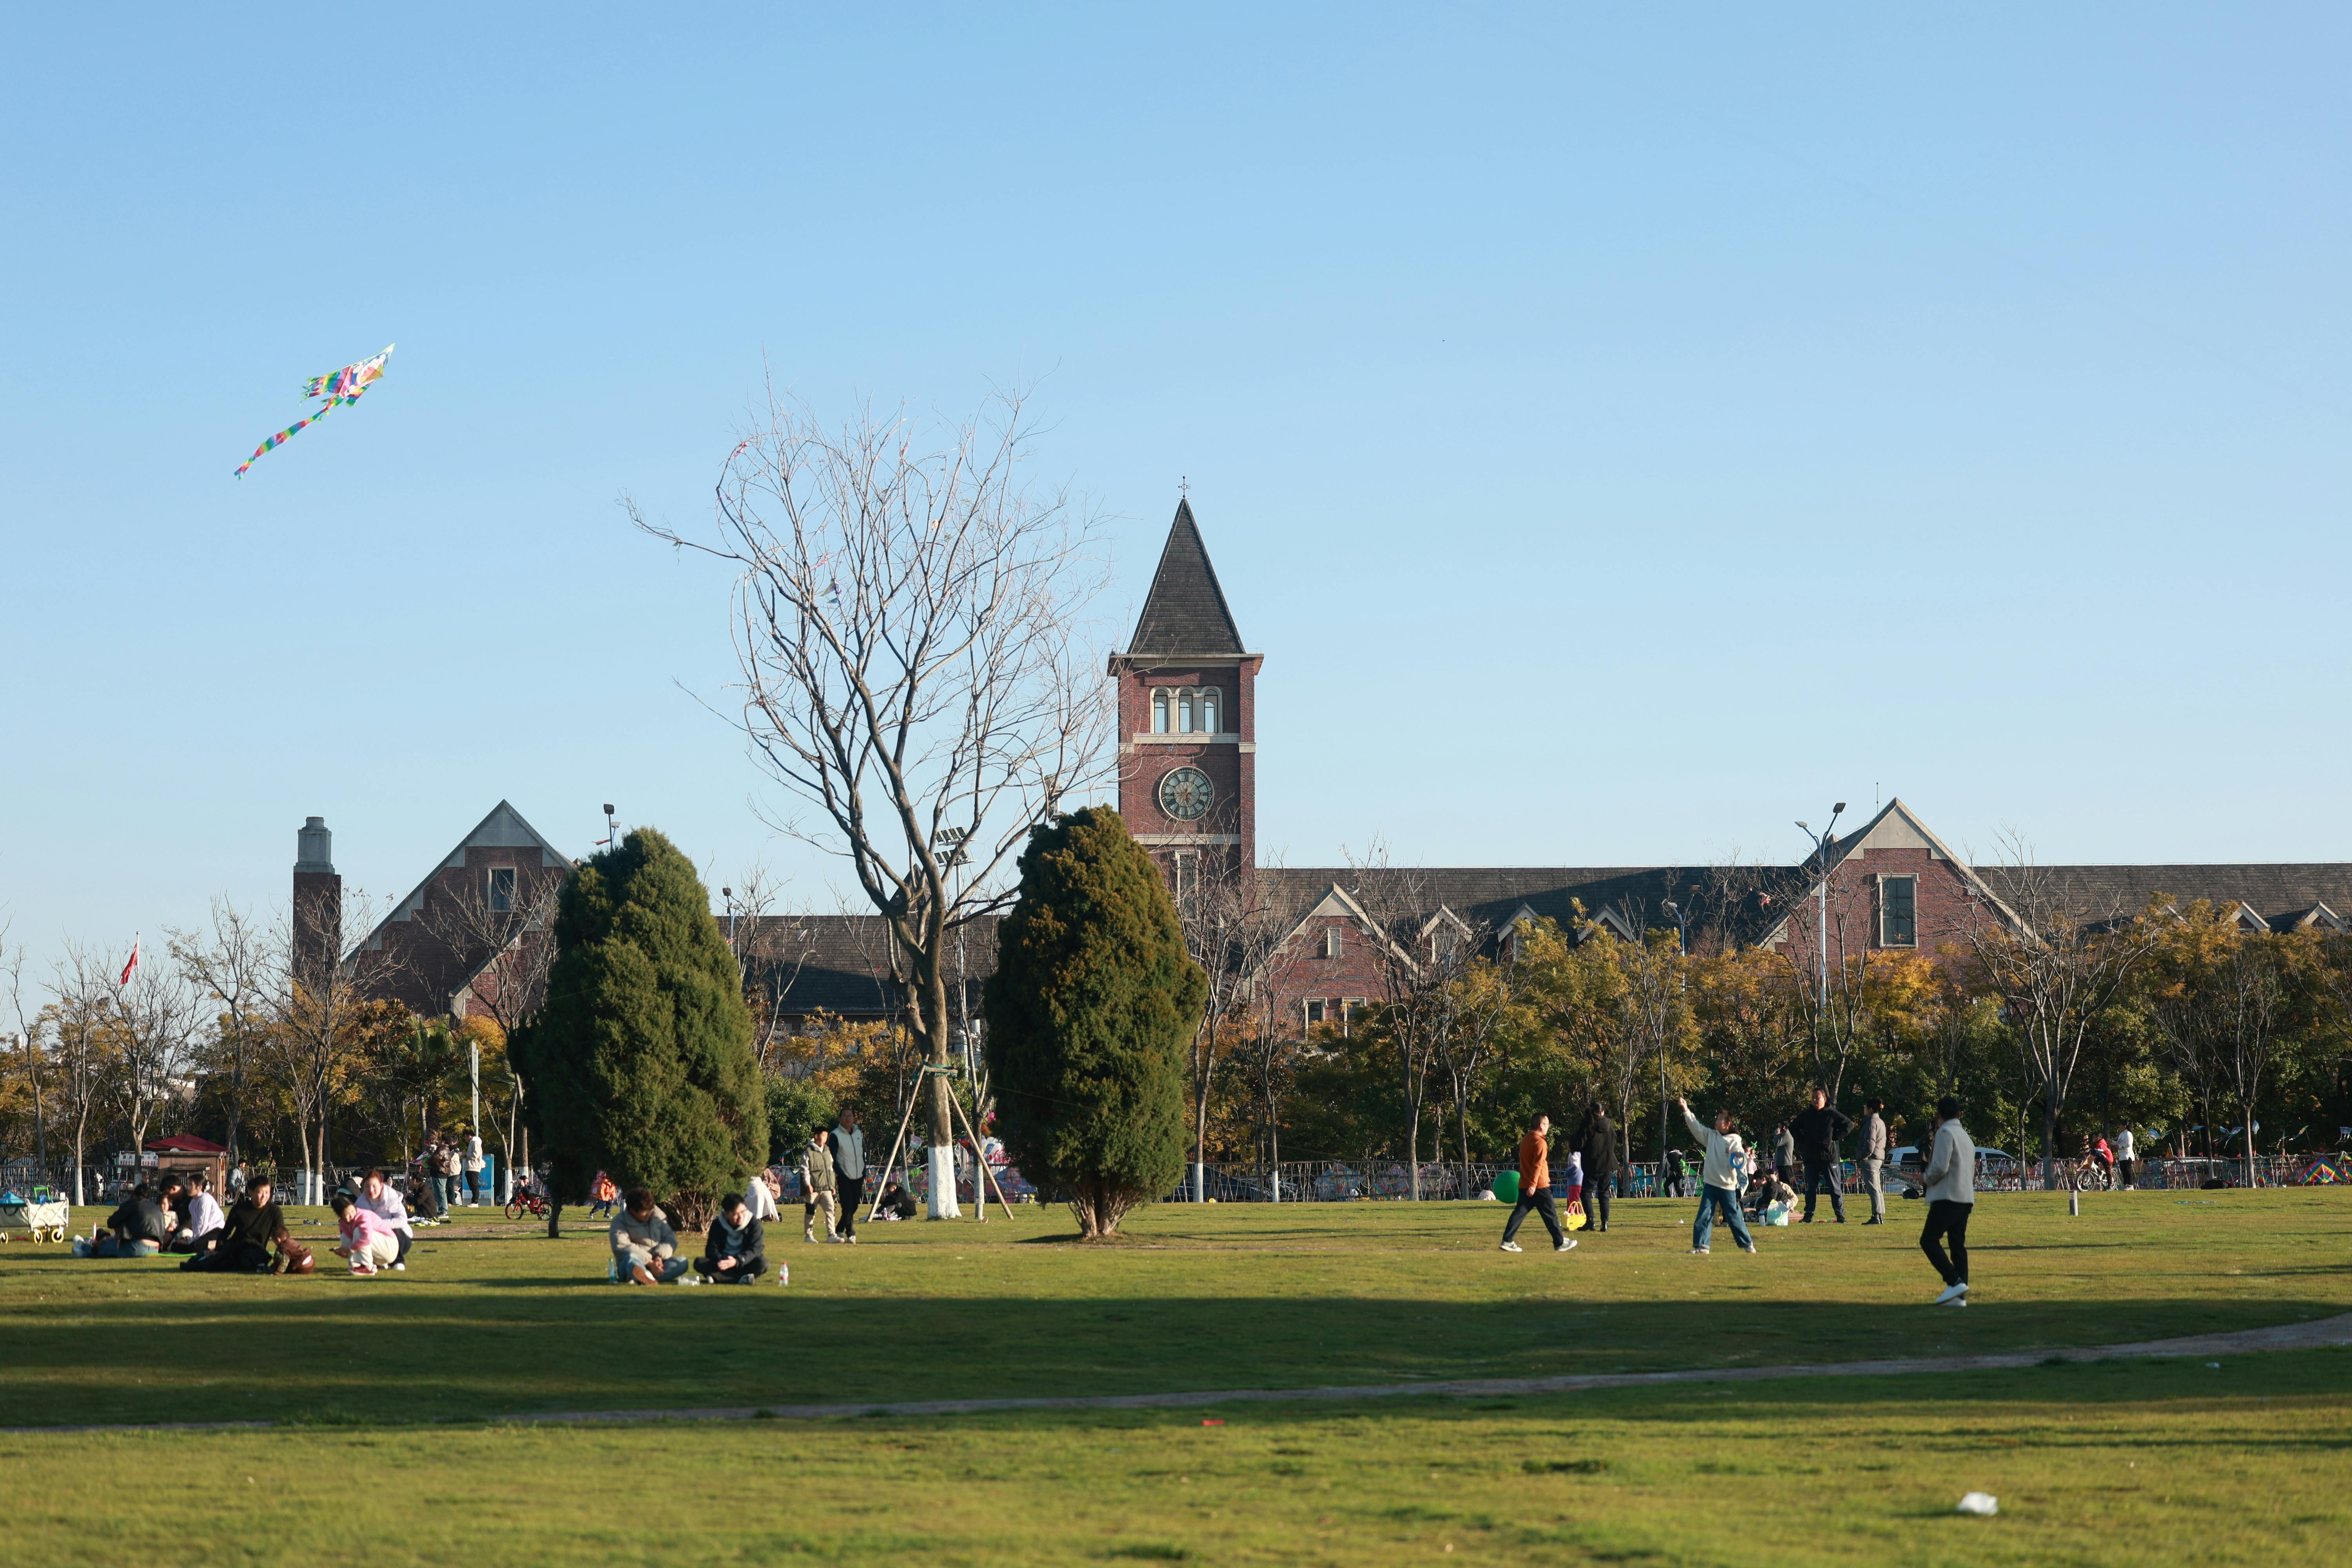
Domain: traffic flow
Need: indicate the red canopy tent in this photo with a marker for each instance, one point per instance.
(186, 1143)
(184, 1153)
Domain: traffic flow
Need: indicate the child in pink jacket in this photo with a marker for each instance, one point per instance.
(368, 1240)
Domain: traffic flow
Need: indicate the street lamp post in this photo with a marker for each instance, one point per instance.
(1821, 892)
(1681, 949)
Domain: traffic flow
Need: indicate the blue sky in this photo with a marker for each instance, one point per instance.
(1623, 433)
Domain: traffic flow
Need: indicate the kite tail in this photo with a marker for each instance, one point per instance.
(291, 431)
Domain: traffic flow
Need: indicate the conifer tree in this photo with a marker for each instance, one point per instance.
(1090, 1013)
(640, 1063)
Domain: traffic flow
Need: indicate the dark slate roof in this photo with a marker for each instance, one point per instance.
(1489, 895)
(1185, 612)
(2280, 893)
(841, 964)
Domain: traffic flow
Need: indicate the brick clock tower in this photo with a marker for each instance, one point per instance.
(1188, 721)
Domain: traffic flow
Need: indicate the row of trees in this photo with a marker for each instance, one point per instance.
(243, 1032)
(2050, 1024)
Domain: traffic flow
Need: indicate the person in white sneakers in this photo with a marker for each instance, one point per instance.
(817, 1188)
(368, 1241)
(1719, 1179)
(472, 1164)
(1534, 1190)
(2126, 1158)
(382, 1199)
(1951, 1184)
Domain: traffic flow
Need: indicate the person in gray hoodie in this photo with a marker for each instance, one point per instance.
(645, 1249)
(1951, 1184)
(1719, 1179)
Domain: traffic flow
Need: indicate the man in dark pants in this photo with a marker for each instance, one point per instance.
(849, 1171)
(1597, 1142)
(1817, 1130)
(242, 1244)
(1951, 1191)
(1534, 1190)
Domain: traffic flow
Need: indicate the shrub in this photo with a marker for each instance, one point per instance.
(640, 1063)
(1089, 1011)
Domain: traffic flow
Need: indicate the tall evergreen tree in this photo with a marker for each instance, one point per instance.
(641, 1062)
(1090, 1013)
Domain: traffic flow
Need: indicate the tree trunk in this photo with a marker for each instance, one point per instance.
(2050, 1136)
(2251, 1180)
(554, 1219)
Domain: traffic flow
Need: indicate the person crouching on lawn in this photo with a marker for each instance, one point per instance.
(368, 1241)
(732, 1253)
(382, 1199)
(645, 1249)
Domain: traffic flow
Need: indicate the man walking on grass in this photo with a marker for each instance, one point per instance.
(1951, 1184)
(1534, 1190)
(1718, 1179)
(1873, 1157)
(848, 1145)
(1818, 1129)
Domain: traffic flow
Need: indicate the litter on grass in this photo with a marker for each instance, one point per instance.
(1983, 1504)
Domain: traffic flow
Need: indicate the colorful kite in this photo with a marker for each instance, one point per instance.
(337, 388)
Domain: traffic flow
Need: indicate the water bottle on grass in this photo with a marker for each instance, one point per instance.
(783, 1273)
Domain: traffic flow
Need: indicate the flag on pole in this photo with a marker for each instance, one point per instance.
(134, 964)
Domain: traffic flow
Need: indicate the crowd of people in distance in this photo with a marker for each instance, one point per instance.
(831, 1170)
(251, 1236)
(1734, 1186)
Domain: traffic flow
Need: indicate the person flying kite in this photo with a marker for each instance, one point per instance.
(337, 388)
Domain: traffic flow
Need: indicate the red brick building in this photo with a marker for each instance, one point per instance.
(477, 920)
(1186, 687)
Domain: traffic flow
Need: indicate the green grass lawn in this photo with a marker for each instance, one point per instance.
(2124, 1462)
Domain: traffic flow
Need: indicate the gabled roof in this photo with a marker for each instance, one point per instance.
(1894, 827)
(1185, 613)
(504, 827)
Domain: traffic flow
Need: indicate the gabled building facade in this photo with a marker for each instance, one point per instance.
(1186, 688)
(437, 950)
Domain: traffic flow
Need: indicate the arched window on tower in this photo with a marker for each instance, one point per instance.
(1208, 696)
(1159, 711)
(1188, 701)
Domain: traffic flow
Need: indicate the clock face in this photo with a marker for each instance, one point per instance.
(1185, 794)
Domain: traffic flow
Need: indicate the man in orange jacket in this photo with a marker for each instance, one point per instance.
(1534, 1190)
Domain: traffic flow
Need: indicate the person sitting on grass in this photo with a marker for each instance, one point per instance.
(293, 1257)
(896, 1202)
(382, 1199)
(368, 1241)
(241, 1246)
(732, 1253)
(137, 1229)
(645, 1249)
(204, 1218)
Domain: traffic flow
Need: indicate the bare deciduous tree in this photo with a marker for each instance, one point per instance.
(1424, 953)
(232, 964)
(2057, 961)
(1231, 934)
(84, 1045)
(916, 669)
(323, 997)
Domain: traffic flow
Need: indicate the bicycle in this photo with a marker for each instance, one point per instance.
(526, 1203)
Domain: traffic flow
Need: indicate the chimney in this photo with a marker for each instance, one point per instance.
(318, 898)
